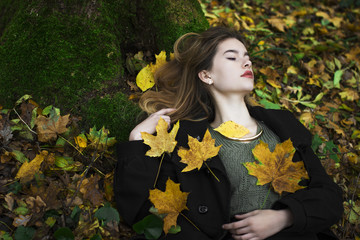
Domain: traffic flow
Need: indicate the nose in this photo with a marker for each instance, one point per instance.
(247, 64)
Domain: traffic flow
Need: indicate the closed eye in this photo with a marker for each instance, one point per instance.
(232, 59)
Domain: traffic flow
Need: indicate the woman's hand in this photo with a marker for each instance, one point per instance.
(149, 124)
(259, 224)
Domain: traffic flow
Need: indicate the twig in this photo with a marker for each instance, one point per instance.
(3, 223)
(70, 144)
(24, 121)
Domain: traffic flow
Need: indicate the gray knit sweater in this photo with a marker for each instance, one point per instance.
(246, 195)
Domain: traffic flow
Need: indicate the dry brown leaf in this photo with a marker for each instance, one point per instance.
(277, 167)
(48, 128)
(90, 190)
(170, 202)
(163, 141)
(231, 129)
(35, 204)
(199, 152)
(9, 201)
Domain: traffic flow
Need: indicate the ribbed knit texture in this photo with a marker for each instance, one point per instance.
(246, 196)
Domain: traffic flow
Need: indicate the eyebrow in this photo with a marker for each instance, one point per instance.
(235, 51)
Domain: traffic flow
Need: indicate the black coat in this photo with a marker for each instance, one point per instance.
(314, 208)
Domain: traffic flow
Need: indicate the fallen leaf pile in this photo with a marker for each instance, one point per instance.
(55, 182)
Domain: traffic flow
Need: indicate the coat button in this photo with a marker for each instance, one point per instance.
(203, 209)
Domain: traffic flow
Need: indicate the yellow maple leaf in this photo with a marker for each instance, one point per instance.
(231, 129)
(334, 20)
(170, 202)
(28, 169)
(273, 83)
(199, 152)
(292, 70)
(354, 55)
(163, 141)
(349, 94)
(81, 141)
(49, 127)
(277, 167)
(145, 79)
(160, 61)
(277, 23)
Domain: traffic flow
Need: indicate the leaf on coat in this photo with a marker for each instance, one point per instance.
(170, 202)
(231, 129)
(163, 141)
(49, 127)
(277, 167)
(28, 169)
(199, 152)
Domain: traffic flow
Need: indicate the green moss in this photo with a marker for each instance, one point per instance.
(68, 53)
(56, 57)
(116, 113)
(8, 9)
(171, 19)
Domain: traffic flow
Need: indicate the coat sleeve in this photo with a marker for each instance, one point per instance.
(133, 177)
(318, 206)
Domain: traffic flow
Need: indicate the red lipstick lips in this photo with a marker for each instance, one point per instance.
(248, 74)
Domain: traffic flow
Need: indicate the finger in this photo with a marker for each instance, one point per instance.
(165, 111)
(240, 231)
(234, 225)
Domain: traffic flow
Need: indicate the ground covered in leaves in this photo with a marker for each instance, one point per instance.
(56, 179)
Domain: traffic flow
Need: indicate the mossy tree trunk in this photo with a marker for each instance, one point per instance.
(71, 53)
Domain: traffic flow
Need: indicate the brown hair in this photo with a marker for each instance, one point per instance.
(177, 81)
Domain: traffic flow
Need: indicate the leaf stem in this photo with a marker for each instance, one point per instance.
(190, 221)
(70, 144)
(267, 195)
(212, 172)
(158, 172)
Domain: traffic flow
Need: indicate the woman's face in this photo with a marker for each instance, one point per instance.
(231, 68)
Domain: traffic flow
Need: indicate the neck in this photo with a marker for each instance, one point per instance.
(233, 107)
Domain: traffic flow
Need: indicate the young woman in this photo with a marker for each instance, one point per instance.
(205, 85)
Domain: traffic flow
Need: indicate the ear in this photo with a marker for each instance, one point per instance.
(205, 76)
